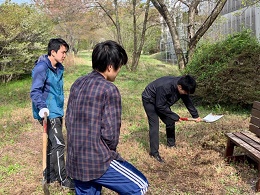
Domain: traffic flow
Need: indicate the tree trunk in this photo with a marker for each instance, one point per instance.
(161, 7)
(134, 58)
(204, 27)
(138, 49)
(119, 38)
(192, 12)
(115, 23)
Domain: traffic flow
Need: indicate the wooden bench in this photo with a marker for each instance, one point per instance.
(249, 141)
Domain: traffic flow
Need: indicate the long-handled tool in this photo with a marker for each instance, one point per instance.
(44, 155)
(209, 118)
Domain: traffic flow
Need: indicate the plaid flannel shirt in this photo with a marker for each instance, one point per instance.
(93, 121)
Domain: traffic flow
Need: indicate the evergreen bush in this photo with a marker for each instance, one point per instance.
(227, 72)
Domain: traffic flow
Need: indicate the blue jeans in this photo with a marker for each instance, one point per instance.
(121, 177)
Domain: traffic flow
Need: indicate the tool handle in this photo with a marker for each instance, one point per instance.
(44, 155)
(45, 123)
(187, 119)
(44, 142)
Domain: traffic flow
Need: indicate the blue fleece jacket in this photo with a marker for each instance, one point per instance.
(47, 88)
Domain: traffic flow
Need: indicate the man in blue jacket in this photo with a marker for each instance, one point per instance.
(158, 97)
(47, 96)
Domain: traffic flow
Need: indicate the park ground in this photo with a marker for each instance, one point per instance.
(196, 166)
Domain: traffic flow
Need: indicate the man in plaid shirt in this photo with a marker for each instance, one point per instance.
(93, 121)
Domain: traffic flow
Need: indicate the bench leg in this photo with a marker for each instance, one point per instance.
(257, 187)
(229, 149)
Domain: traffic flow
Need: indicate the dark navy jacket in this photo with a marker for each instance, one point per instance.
(163, 93)
(47, 88)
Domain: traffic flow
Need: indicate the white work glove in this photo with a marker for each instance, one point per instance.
(41, 113)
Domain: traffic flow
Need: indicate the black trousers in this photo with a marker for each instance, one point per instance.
(55, 170)
(153, 120)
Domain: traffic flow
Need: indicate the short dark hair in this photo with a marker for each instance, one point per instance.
(187, 83)
(54, 44)
(108, 53)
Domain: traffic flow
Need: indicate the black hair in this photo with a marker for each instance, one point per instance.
(187, 83)
(108, 53)
(54, 44)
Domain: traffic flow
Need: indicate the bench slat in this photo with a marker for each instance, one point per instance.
(255, 113)
(250, 150)
(254, 125)
(251, 135)
(255, 121)
(254, 129)
(256, 105)
(250, 140)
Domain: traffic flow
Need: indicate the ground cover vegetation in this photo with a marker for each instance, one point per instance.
(196, 166)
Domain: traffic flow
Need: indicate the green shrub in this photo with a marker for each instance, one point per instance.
(23, 37)
(227, 72)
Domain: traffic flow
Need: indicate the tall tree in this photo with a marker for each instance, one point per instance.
(142, 20)
(71, 18)
(116, 21)
(194, 33)
(139, 46)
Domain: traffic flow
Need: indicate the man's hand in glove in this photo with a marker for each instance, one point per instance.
(41, 113)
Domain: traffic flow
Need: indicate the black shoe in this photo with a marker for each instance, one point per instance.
(157, 157)
(50, 181)
(171, 146)
(68, 183)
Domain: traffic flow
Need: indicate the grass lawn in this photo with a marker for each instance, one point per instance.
(196, 166)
